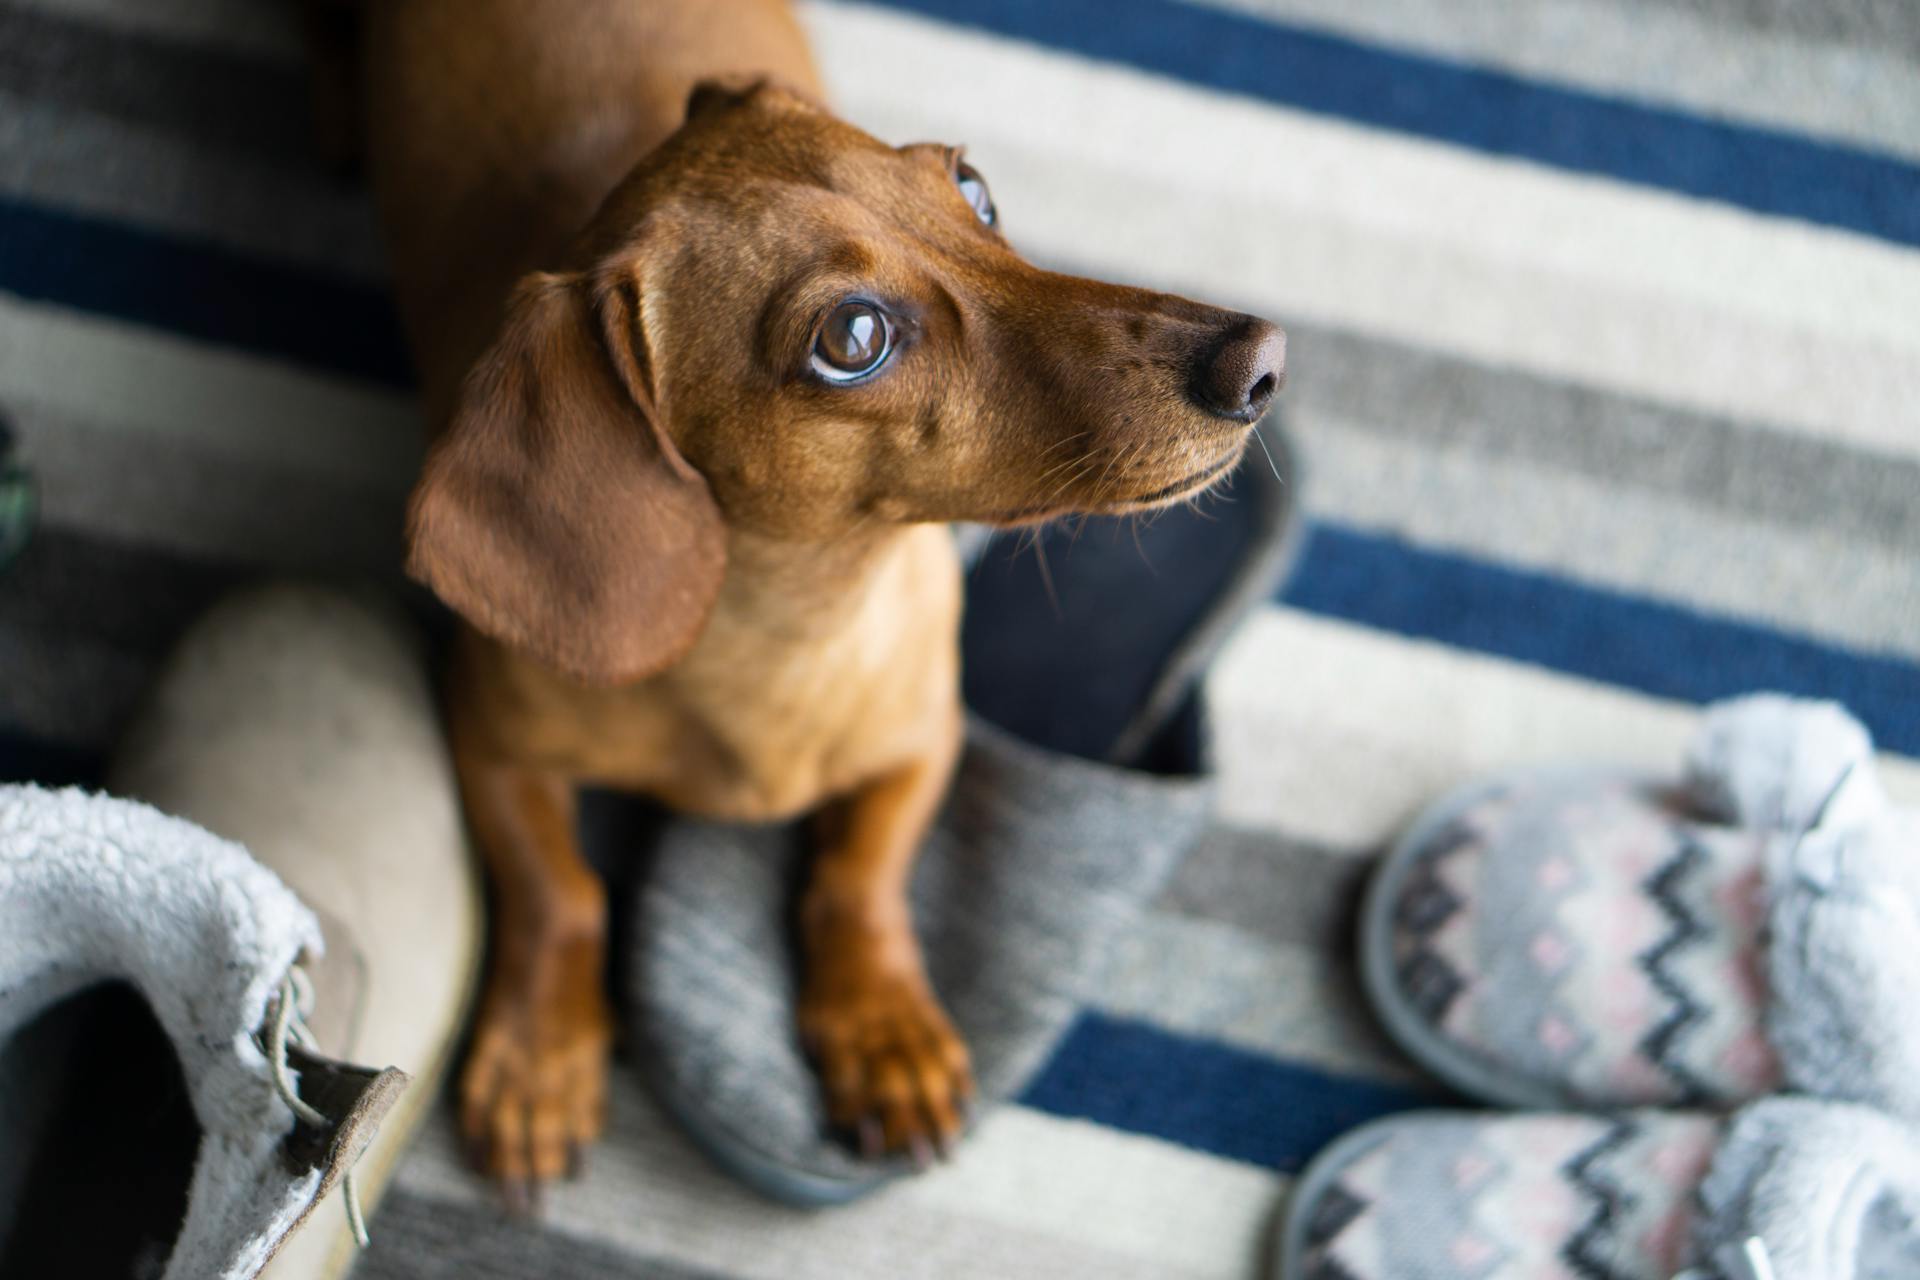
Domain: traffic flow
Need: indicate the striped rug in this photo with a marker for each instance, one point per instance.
(1606, 369)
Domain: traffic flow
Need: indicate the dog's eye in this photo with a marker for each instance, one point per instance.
(856, 339)
(974, 188)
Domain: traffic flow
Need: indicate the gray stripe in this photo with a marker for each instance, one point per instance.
(1703, 57)
(123, 170)
(85, 623)
(1216, 981)
(74, 587)
(221, 99)
(1270, 886)
(1865, 23)
(418, 1238)
(83, 626)
(74, 695)
(1440, 401)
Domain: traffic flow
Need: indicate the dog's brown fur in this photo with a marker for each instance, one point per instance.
(690, 567)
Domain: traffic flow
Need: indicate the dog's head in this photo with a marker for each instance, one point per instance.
(780, 325)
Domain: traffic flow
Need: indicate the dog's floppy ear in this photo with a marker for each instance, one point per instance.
(554, 513)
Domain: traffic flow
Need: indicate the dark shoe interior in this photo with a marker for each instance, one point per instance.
(97, 1141)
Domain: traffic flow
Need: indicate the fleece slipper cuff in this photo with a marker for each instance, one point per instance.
(1590, 938)
(1828, 1191)
(1842, 963)
(96, 890)
(1792, 1188)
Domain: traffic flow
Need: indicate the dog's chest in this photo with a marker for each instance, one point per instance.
(762, 722)
(779, 741)
(783, 726)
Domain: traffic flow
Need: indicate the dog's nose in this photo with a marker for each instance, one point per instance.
(1238, 378)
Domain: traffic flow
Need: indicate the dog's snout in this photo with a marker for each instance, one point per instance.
(1237, 378)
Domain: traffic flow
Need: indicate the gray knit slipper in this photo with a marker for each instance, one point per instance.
(1584, 938)
(1038, 862)
(1789, 1189)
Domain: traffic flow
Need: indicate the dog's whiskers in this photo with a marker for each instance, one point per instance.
(1270, 462)
(1062, 465)
(1061, 444)
(1133, 526)
(1046, 579)
(1079, 473)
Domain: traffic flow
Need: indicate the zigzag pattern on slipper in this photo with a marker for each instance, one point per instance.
(1589, 935)
(1817, 1190)
(1455, 1196)
(1432, 984)
(1427, 904)
(1667, 887)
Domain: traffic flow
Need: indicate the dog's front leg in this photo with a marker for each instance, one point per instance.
(533, 1093)
(896, 1075)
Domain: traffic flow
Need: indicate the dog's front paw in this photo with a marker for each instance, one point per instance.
(895, 1073)
(533, 1093)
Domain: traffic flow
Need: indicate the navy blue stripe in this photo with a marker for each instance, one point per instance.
(200, 290)
(1765, 170)
(1548, 621)
(1205, 1095)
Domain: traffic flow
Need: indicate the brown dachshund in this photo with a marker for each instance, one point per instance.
(709, 372)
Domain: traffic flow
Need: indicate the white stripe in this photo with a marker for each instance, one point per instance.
(259, 27)
(1028, 1195)
(1340, 734)
(1192, 1213)
(1636, 290)
(232, 405)
(1807, 580)
(1649, 52)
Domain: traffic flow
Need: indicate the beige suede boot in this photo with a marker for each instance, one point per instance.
(299, 721)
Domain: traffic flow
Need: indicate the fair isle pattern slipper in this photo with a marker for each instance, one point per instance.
(1587, 939)
(1790, 1189)
(1463, 1196)
(1073, 803)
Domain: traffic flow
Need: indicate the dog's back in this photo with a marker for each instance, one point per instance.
(496, 127)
